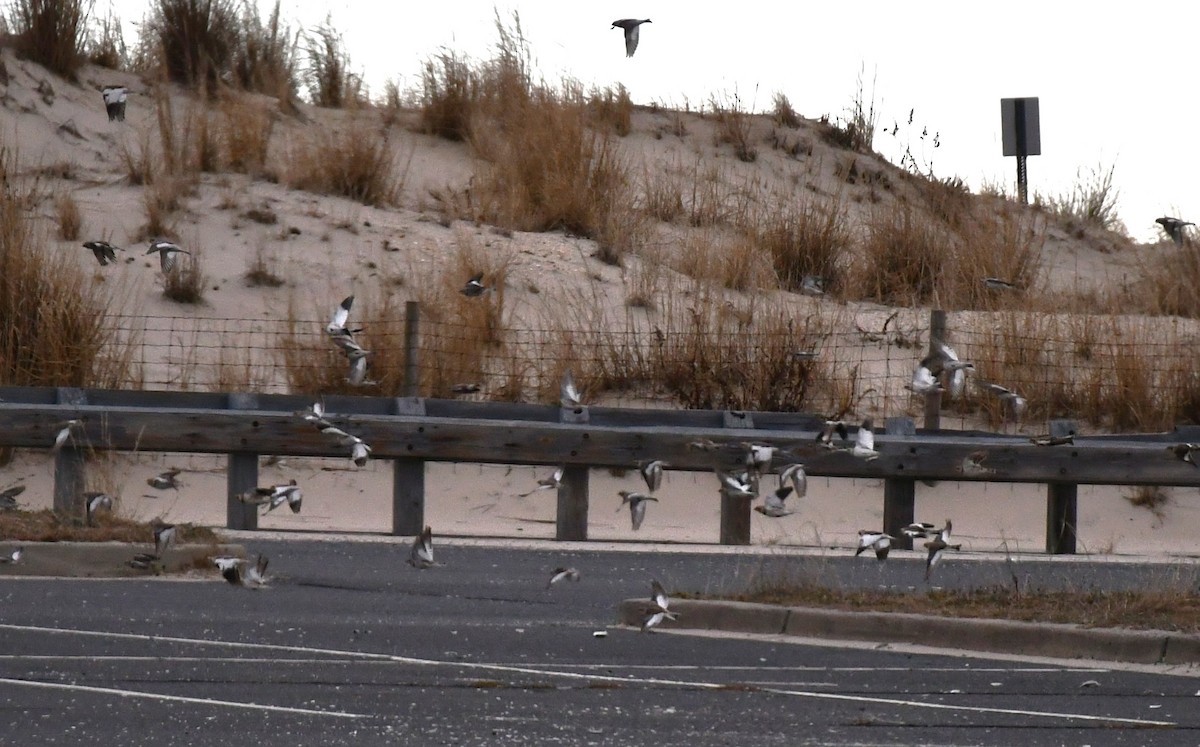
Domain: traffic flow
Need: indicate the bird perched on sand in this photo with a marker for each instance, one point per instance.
(275, 496)
(936, 547)
(1185, 453)
(630, 25)
(880, 542)
(164, 537)
(168, 254)
(13, 557)
(1175, 228)
(421, 555)
(103, 251)
(1012, 403)
(114, 102)
(66, 430)
(94, 503)
(637, 506)
(652, 473)
(864, 441)
(547, 483)
(474, 287)
(795, 474)
(774, 504)
(562, 574)
(239, 572)
(569, 395)
(165, 480)
(658, 609)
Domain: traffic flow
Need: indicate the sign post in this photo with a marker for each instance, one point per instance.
(1021, 133)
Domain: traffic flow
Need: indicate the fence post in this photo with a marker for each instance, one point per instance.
(412, 352)
(571, 514)
(70, 478)
(735, 511)
(241, 474)
(933, 400)
(899, 493)
(1061, 503)
(408, 476)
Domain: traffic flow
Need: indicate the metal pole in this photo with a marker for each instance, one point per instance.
(1022, 181)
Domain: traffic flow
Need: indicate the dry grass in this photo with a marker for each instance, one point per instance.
(185, 283)
(805, 237)
(448, 96)
(52, 33)
(328, 77)
(47, 526)
(355, 161)
(245, 136)
(612, 109)
(783, 113)
(106, 45)
(903, 256)
(260, 272)
(1092, 201)
(265, 60)
(734, 126)
(194, 41)
(70, 220)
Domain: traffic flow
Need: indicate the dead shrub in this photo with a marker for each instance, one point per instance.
(903, 257)
(246, 128)
(612, 109)
(265, 59)
(448, 96)
(328, 77)
(51, 33)
(809, 237)
(185, 283)
(734, 126)
(354, 161)
(193, 40)
(70, 220)
(783, 113)
(106, 44)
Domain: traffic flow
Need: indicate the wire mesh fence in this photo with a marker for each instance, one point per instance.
(1114, 372)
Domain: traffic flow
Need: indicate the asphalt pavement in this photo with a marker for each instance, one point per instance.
(350, 645)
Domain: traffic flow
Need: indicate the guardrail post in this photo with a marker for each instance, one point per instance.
(70, 478)
(408, 475)
(899, 493)
(735, 511)
(1061, 503)
(412, 353)
(241, 473)
(933, 400)
(571, 514)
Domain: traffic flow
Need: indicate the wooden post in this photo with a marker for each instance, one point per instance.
(1061, 502)
(572, 514)
(736, 511)
(933, 400)
(412, 352)
(899, 493)
(408, 479)
(70, 478)
(241, 474)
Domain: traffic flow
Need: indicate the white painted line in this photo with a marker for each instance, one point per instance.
(698, 685)
(177, 698)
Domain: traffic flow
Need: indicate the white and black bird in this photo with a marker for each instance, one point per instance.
(736, 486)
(1185, 452)
(880, 542)
(360, 452)
(168, 254)
(358, 367)
(637, 506)
(972, 465)
(758, 457)
(274, 496)
(795, 474)
(421, 554)
(164, 537)
(114, 102)
(168, 480)
(774, 504)
(474, 287)
(813, 285)
(937, 547)
(943, 359)
(652, 473)
(14, 556)
(562, 574)
(831, 427)
(1175, 228)
(66, 431)
(864, 441)
(1012, 403)
(923, 381)
(104, 252)
(919, 530)
(239, 572)
(339, 333)
(658, 609)
(94, 503)
(630, 26)
(547, 483)
(569, 395)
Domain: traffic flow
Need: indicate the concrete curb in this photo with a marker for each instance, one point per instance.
(996, 636)
(105, 559)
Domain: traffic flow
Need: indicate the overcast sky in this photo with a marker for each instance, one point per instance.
(1116, 82)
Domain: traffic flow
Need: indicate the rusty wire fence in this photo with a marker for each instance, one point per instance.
(1112, 372)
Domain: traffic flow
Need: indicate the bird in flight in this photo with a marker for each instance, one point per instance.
(8, 497)
(569, 395)
(562, 574)
(1185, 453)
(421, 555)
(252, 577)
(14, 556)
(880, 542)
(630, 25)
(825, 437)
(95, 503)
(104, 251)
(275, 496)
(652, 473)
(474, 287)
(164, 537)
(1013, 403)
(165, 480)
(736, 486)
(637, 506)
(795, 474)
(114, 102)
(168, 253)
(66, 430)
(937, 547)
(774, 505)
(547, 483)
(658, 609)
(1174, 228)
(972, 464)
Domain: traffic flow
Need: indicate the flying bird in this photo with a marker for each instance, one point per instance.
(95, 503)
(569, 396)
(774, 505)
(275, 496)
(165, 480)
(736, 486)
(114, 102)
(8, 497)
(658, 609)
(104, 251)
(1051, 440)
(168, 253)
(637, 506)
(547, 483)
(943, 359)
(465, 388)
(562, 574)
(758, 456)
(164, 537)
(474, 287)
(795, 474)
(1013, 403)
(630, 25)
(880, 542)
(652, 473)
(1174, 228)
(972, 465)
(1185, 453)
(923, 381)
(239, 572)
(360, 452)
(920, 530)
(13, 557)
(825, 437)
(997, 284)
(358, 367)
(421, 555)
(339, 334)
(66, 430)
(936, 547)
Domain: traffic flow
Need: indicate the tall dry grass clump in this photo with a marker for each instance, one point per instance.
(194, 41)
(448, 96)
(807, 237)
(185, 283)
(612, 109)
(354, 161)
(105, 44)
(265, 59)
(1091, 202)
(902, 257)
(734, 126)
(52, 33)
(70, 219)
(328, 76)
(246, 126)
(57, 327)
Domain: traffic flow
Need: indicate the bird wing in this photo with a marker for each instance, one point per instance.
(358, 369)
(658, 594)
(631, 40)
(568, 393)
(865, 438)
(341, 314)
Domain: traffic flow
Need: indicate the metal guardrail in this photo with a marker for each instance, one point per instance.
(412, 431)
